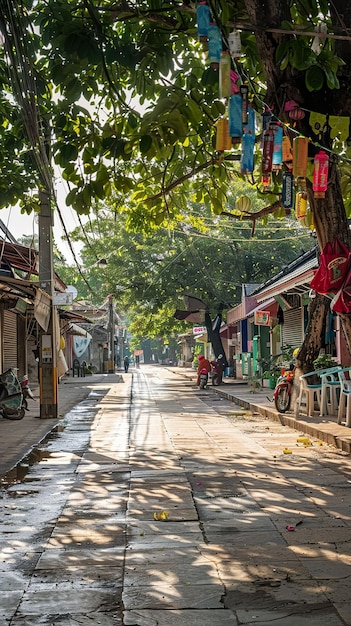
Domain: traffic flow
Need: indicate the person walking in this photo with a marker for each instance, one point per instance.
(126, 363)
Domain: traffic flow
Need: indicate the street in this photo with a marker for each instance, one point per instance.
(159, 503)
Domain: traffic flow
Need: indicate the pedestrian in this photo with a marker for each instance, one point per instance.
(203, 364)
(126, 363)
(217, 372)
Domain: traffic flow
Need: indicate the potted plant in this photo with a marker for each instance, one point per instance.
(271, 369)
(324, 361)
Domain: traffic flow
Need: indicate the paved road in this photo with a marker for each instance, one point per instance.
(252, 527)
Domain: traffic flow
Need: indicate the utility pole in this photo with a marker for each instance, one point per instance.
(111, 350)
(48, 339)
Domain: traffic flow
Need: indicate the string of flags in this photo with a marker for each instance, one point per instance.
(279, 151)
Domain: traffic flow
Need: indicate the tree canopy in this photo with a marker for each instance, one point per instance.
(128, 102)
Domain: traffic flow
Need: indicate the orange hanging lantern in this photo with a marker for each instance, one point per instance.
(320, 174)
(287, 152)
(223, 140)
(300, 156)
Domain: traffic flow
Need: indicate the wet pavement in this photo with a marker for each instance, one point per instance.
(153, 502)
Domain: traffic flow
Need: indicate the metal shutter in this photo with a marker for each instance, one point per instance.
(292, 329)
(9, 334)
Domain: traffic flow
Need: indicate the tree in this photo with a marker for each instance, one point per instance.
(148, 274)
(130, 105)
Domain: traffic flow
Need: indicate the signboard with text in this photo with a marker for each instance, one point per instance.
(262, 318)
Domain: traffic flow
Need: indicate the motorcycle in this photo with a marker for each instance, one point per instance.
(11, 396)
(203, 378)
(26, 392)
(283, 390)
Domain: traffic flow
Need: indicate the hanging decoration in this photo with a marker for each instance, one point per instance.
(277, 147)
(203, 17)
(244, 92)
(287, 152)
(267, 151)
(214, 45)
(234, 87)
(320, 174)
(300, 156)
(235, 118)
(301, 204)
(234, 44)
(339, 127)
(247, 154)
(318, 123)
(288, 190)
(224, 76)
(223, 139)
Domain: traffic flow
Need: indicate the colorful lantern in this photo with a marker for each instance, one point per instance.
(214, 45)
(223, 139)
(224, 76)
(300, 156)
(267, 151)
(235, 121)
(287, 152)
(203, 17)
(234, 44)
(320, 174)
(301, 205)
(234, 88)
(251, 117)
(244, 92)
(277, 148)
(247, 154)
(296, 114)
(266, 182)
(288, 190)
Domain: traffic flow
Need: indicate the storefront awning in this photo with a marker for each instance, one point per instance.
(70, 328)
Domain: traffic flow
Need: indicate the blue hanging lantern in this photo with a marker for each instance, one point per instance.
(235, 119)
(251, 118)
(203, 18)
(277, 148)
(214, 45)
(247, 155)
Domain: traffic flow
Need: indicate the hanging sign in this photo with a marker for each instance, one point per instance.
(262, 318)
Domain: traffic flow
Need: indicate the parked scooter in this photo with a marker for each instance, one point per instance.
(203, 378)
(11, 396)
(283, 390)
(26, 392)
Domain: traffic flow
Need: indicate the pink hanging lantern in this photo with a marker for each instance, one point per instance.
(320, 174)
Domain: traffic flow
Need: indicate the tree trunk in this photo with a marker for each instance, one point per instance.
(329, 213)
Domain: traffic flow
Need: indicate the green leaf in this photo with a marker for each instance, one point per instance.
(145, 143)
(314, 78)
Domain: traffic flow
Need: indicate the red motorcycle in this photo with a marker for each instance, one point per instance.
(283, 390)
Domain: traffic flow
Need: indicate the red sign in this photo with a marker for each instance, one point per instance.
(262, 318)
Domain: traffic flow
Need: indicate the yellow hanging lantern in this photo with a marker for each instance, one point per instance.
(300, 156)
(223, 140)
(301, 205)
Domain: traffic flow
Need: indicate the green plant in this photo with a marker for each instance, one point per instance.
(270, 366)
(324, 361)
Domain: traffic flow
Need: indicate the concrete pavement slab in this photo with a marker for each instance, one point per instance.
(192, 617)
(170, 596)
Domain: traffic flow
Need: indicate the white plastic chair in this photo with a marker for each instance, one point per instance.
(310, 392)
(330, 387)
(345, 397)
